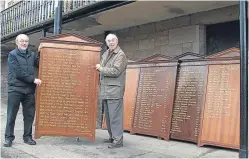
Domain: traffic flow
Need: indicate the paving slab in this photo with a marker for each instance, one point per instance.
(222, 154)
(135, 146)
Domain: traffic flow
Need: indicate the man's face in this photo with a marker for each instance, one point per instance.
(112, 43)
(22, 43)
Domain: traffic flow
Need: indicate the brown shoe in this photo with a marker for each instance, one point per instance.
(113, 145)
(108, 140)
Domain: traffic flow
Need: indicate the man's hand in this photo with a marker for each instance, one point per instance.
(98, 67)
(37, 82)
(39, 48)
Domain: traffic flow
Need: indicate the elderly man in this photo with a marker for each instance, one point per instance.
(21, 89)
(112, 86)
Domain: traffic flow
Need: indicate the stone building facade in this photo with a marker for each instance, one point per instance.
(170, 37)
(174, 36)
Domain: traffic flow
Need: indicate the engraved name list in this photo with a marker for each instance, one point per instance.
(64, 100)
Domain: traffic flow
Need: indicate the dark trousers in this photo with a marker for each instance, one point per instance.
(28, 105)
(114, 114)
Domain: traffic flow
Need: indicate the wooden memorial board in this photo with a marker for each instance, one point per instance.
(189, 98)
(132, 78)
(67, 99)
(220, 125)
(155, 97)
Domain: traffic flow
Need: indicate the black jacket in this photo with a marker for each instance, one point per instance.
(21, 71)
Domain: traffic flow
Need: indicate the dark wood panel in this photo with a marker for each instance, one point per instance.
(154, 102)
(67, 98)
(189, 96)
(132, 78)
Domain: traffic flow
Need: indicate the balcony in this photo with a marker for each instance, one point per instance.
(29, 13)
(31, 16)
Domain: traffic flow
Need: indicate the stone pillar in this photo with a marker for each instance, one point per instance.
(248, 53)
(199, 46)
(186, 39)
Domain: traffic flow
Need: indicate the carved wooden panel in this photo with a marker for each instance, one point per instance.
(221, 112)
(189, 98)
(154, 102)
(67, 98)
(132, 78)
(70, 38)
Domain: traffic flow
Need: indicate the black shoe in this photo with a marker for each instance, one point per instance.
(113, 145)
(108, 140)
(7, 143)
(30, 141)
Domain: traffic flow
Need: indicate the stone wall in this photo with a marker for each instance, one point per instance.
(173, 36)
(140, 42)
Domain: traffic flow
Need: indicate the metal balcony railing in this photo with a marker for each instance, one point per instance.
(25, 14)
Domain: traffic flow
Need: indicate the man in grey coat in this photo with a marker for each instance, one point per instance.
(112, 70)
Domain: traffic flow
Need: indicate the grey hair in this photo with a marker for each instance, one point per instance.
(110, 36)
(21, 35)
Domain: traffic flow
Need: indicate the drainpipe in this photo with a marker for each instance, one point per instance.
(58, 17)
(43, 33)
(243, 152)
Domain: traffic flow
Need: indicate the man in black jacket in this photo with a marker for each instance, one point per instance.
(21, 89)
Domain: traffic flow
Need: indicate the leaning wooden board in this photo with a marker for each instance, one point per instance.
(189, 99)
(67, 98)
(220, 124)
(153, 109)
